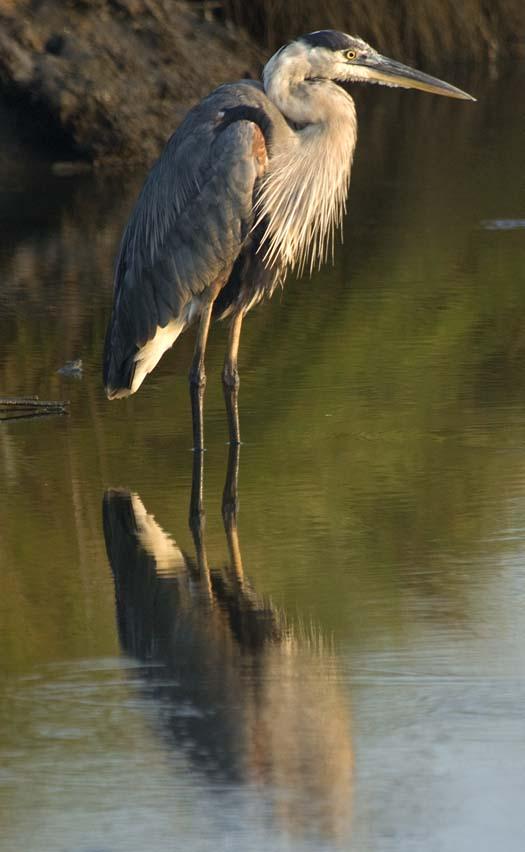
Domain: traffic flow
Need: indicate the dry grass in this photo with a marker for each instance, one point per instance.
(435, 29)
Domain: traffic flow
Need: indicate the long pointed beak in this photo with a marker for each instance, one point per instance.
(380, 69)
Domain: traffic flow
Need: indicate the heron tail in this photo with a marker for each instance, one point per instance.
(124, 375)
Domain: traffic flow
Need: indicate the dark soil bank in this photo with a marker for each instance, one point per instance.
(114, 77)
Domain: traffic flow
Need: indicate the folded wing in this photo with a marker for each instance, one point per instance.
(188, 227)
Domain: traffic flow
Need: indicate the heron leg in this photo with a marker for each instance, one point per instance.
(230, 379)
(197, 376)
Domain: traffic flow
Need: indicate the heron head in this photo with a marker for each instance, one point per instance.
(332, 55)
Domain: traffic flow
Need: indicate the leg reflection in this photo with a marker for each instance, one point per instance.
(250, 698)
(197, 522)
(230, 499)
(230, 505)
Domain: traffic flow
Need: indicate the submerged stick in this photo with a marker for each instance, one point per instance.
(13, 408)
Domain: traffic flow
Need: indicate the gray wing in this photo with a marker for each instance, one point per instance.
(191, 219)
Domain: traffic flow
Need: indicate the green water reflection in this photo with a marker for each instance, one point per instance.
(381, 479)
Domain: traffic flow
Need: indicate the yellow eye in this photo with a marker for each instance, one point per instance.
(350, 55)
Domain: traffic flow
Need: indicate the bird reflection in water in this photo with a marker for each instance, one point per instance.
(249, 698)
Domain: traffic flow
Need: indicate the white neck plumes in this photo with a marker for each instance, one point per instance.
(302, 199)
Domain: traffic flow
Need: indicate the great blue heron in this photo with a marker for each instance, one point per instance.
(252, 184)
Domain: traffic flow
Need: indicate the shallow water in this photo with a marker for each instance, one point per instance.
(350, 673)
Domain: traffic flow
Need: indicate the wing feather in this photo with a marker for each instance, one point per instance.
(188, 227)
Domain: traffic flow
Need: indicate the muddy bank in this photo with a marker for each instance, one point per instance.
(108, 80)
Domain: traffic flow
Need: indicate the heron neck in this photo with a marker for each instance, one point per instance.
(304, 191)
(304, 100)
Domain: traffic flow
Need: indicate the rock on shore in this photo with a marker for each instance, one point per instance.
(114, 77)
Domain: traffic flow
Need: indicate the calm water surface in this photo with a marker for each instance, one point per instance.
(348, 672)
